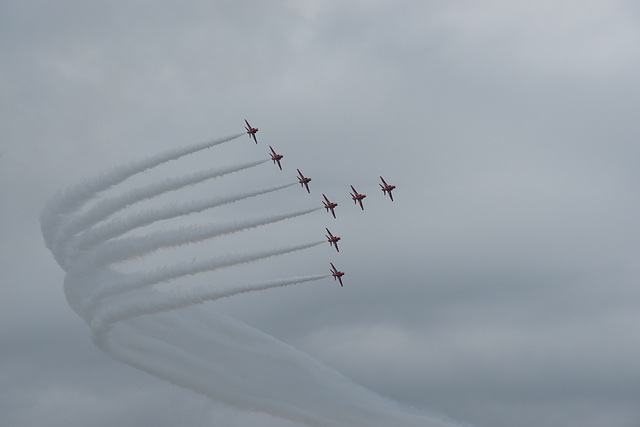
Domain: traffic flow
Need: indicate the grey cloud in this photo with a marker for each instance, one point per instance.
(498, 288)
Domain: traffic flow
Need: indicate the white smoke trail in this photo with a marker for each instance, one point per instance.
(135, 281)
(121, 226)
(233, 363)
(164, 332)
(133, 247)
(153, 301)
(108, 206)
(72, 199)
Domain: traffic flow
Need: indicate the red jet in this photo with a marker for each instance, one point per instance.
(329, 205)
(304, 181)
(333, 240)
(337, 275)
(357, 197)
(387, 188)
(251, 131)
(276, 157)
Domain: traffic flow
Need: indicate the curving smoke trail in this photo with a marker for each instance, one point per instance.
(121, 226)
(141, 280)
(133, 247)
(166, 331)
(151, 301)
(55, 213)
(108, 206)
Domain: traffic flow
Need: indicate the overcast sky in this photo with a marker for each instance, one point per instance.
(500, 288)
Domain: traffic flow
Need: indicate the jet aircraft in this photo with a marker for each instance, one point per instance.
(333, 240)
(329, 205)
(304, 181)
(337, 275)
(251, 131)
(357, 197)
(276, 157)
(387, 188)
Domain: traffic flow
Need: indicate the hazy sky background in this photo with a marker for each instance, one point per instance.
(501, 286)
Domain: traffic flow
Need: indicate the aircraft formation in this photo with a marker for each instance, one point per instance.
(328, 205)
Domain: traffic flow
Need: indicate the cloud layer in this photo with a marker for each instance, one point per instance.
(499, 288)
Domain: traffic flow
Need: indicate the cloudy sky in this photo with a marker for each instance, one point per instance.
(500, 288)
